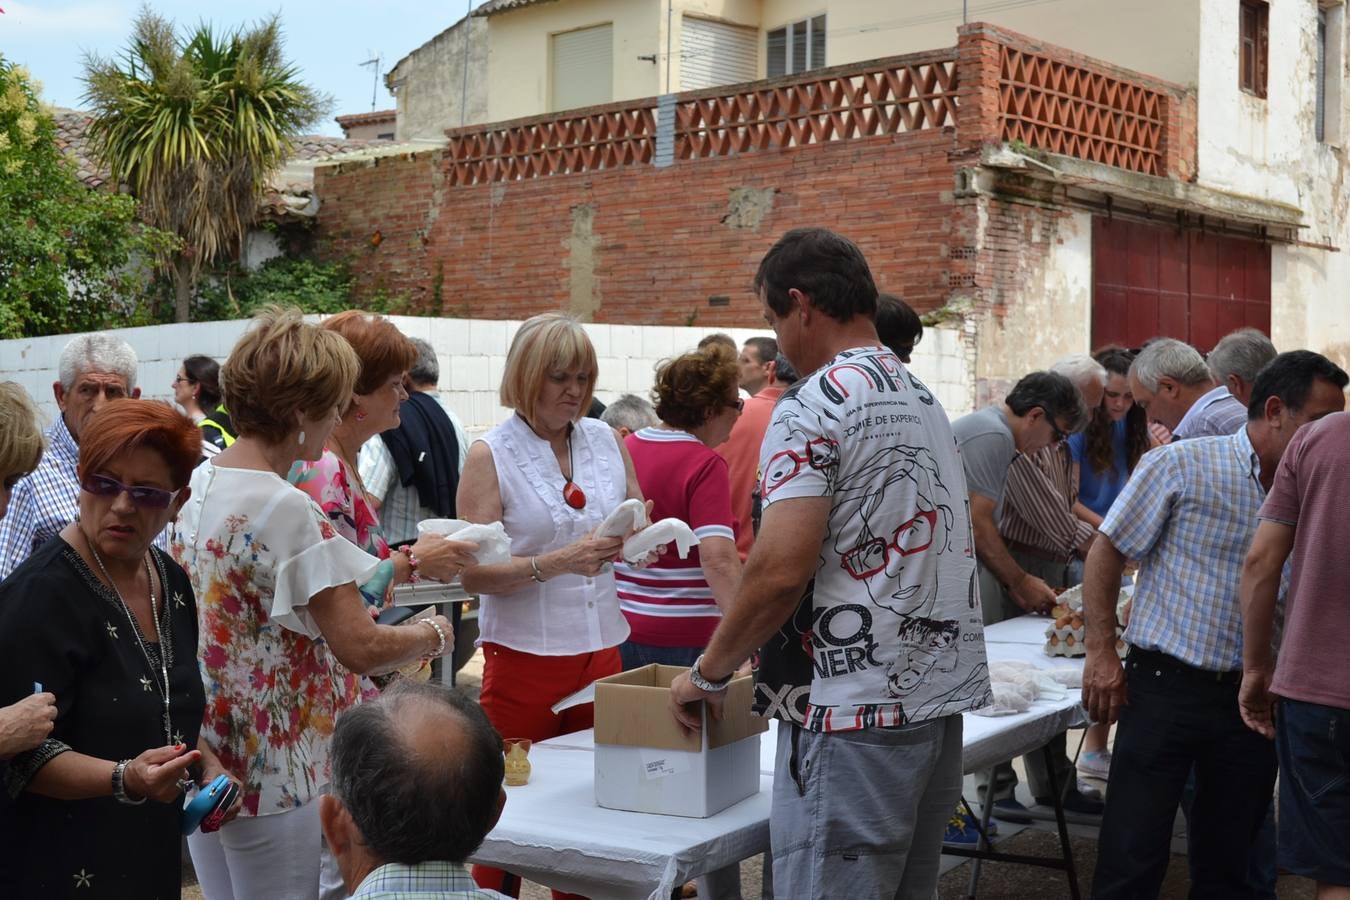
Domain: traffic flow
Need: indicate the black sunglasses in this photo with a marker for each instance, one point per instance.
(143, 497)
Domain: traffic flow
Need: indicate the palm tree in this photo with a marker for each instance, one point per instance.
(194, 128)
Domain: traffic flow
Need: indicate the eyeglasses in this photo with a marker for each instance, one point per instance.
(739, 405)
(1054, 428)
(179, 379)
(144, 497)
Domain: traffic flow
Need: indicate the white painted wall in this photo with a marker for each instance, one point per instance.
(1268, 148)
(472, 355)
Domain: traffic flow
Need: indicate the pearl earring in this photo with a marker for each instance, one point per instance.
(302, 437)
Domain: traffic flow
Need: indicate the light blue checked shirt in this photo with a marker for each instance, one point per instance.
(43, 502)
(1188, 514)
(1217, 412)
(439, 879)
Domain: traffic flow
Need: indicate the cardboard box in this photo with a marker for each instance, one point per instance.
(644, 762)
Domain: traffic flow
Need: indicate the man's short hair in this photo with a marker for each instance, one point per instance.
(425, 369)
(783, 370)
(898, 325)
(1081, 369)
(629, 411)
(412, 805)
(1170, 358)
(1054, 394)
(1243, 353)
(1290, 376)
(717, 337)
(827, 267)
(97, 352)
(766, 348)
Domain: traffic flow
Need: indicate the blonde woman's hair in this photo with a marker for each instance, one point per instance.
(547, 343)
(282, 366)
(20, 436)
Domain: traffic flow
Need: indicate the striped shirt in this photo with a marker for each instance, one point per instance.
(42, 502)
(1038, 502)
(1216, 413)
(1188, 514)
(670, 604)
(435, 879)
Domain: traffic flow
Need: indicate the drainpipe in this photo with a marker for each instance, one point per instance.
(670, 18)
(464, 85)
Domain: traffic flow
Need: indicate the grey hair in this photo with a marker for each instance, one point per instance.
(426, 369)
(629, 411)
(1243, 353)
(97, 352)
(1081, 369)
(417, 803)
(1170, 358)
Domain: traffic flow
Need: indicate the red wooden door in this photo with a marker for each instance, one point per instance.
(1155, 281)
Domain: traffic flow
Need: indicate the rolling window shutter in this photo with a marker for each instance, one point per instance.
(716, 53)
(583, 67)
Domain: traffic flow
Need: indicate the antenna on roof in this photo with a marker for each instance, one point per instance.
(374, 62)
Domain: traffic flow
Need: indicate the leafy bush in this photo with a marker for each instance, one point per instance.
(310, 285)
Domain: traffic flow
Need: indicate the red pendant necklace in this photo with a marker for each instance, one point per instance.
(573, 495)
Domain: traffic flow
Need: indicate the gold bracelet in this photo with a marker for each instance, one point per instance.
(534, 570)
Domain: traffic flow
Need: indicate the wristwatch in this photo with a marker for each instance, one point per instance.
(703, 684)
(119, 784)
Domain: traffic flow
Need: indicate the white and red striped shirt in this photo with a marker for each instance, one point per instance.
(669, 604)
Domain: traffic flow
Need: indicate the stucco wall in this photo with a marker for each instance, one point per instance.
(1158, 37)
(472, 356)
(520, 51)
(429, 83)
(1268, 148)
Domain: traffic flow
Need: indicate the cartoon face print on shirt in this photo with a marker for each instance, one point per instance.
(925, 645)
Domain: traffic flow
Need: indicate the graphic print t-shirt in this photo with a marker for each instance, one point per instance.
(890, 630)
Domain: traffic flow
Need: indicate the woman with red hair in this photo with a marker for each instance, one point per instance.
(108, 624)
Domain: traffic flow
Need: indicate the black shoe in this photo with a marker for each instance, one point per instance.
(1076, 801)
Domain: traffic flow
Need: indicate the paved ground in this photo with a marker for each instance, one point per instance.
(998, 881)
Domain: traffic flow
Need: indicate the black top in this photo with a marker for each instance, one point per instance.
(60, 626)
(425, 452)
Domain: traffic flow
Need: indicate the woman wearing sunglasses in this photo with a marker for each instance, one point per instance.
(108, 624)
(674, 605)
(550, 620)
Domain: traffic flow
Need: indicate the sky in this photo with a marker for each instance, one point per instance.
(327, 41)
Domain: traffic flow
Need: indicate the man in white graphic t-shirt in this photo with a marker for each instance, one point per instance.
(859, 596)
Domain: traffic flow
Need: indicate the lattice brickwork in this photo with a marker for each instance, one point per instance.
(595, 140)
(1063, 108)
(841, 106)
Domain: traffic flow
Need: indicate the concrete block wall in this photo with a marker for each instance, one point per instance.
(472, 355)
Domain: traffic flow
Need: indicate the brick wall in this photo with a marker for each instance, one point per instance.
(641, 245)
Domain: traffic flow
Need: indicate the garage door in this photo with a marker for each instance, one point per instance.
(717, 53)
(1157, 281)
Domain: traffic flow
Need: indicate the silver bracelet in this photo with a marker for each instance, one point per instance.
(119, 789)
(697, 678)
(440, 637)
(534, 570)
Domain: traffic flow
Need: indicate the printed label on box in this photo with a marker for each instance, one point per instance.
(661, 765)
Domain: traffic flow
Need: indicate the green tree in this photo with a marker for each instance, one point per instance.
(68, 254)
(194, 128)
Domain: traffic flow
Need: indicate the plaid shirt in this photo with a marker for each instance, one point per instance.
(1188, 514)
(432, 880)
(1216, 413)
(43, 502)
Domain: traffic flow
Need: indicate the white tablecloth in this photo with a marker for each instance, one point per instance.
(551, 832)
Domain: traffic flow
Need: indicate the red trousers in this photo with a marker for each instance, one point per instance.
(518, 689)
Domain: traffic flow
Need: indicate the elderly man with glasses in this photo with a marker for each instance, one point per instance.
(94, 369)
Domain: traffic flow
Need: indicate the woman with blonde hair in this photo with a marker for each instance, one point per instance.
(550, 620)
(284, 632)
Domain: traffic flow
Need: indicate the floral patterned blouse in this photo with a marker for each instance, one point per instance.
(256, 551)
(330, 483)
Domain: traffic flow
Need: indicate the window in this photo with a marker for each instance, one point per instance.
(797, 47)
(715, 53)
(1254, 29)
(1327, 75)
(583, 67)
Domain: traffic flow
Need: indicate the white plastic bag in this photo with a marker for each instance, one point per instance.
(494, 544)
(1007, 701)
